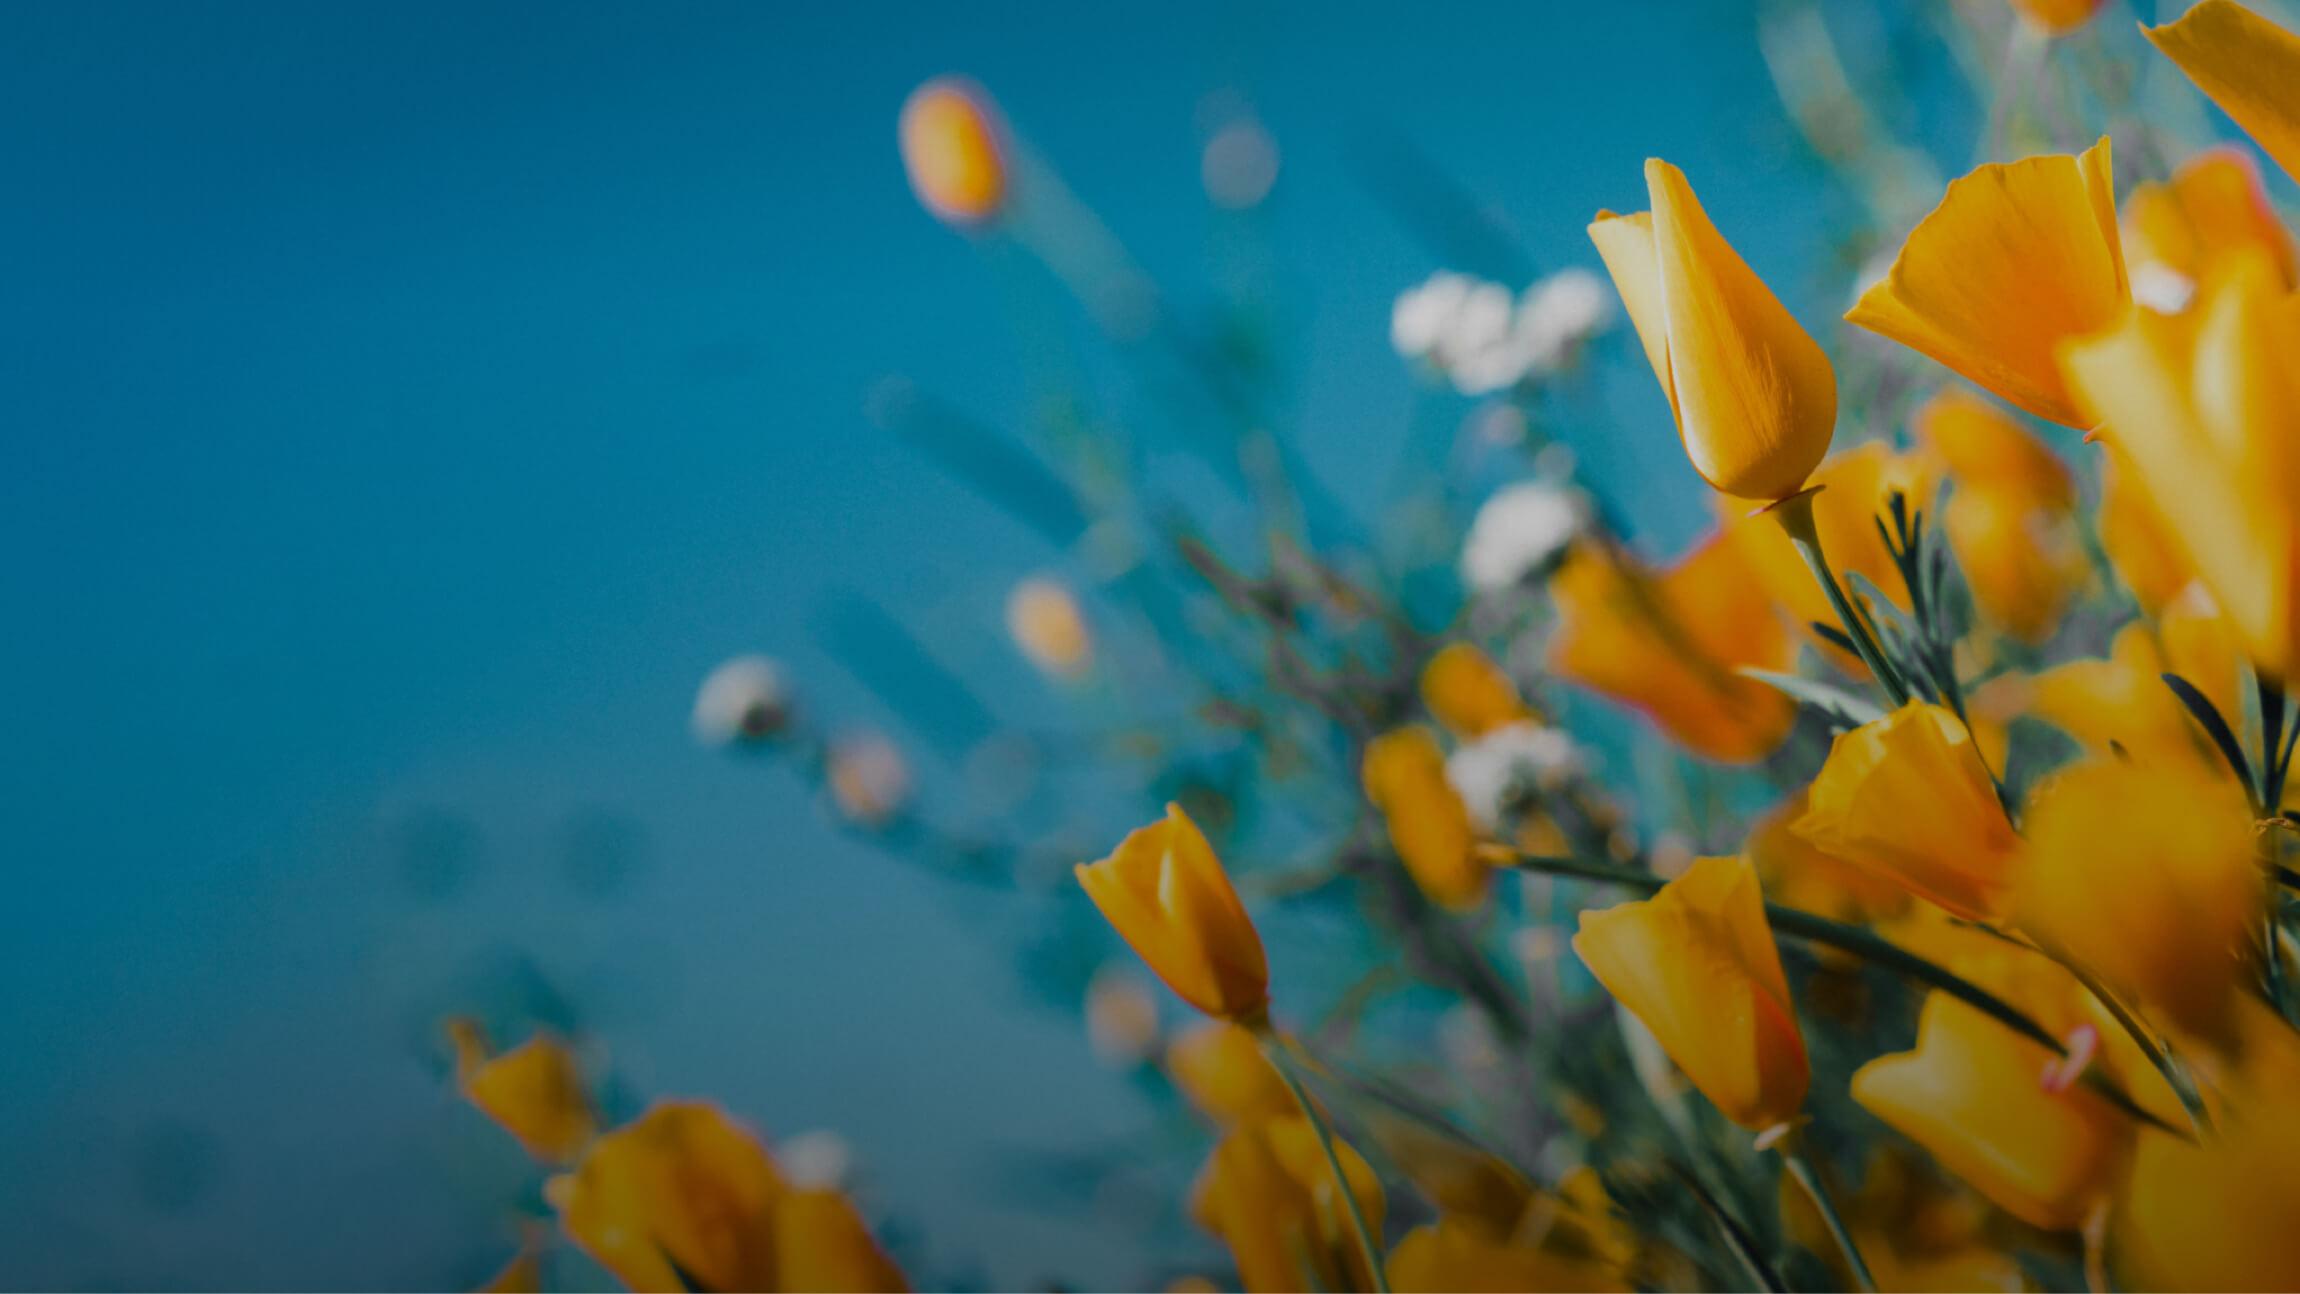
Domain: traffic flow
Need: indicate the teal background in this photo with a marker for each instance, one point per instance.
(405, 405)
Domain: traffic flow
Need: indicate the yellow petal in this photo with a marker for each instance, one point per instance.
(1756, 399)
(2246, 64)
(822, 1244)
(1164, 892)
(1625, 244)
(1469, 694)
(2213, 205)
(535, 1091)
(953, 148)
(2018, 258)
(1429, 826)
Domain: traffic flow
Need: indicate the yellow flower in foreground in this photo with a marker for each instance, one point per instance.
(1428, 823)
(2012, 518)
(1166, 894)
(1906, 796)
(2213, 205)
(1268, 1194)
(1044, 621)
(1669, 645)
(1469, 694)
(1797, 875)
(2246, 64)
(1856, 484)
(2146, 876)
(1973, 1093)
(535, 1091)
(2146, 556)
(2058, 17)
(1697, 966)
(2018, 258)
(1453, 1255)
(2122, 701)
(1224, 1075)
(1754, 397)
(953, 146)
(683, 1191)
(822, 1245)
(2205, 408)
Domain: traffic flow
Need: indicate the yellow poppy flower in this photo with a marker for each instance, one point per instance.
(2216, 1216)
(534, 1091)
(1797, 875)
(1697, 965)
(1973, 1093)
(2058, 17)
(1668, 646)
(1222, 1072)
(1429, 826)
(1469, 694)
(2146, 555)
(1166, 894)
(2018, 258)
(2122, 701)
(1754, 397)
(682, 1192)
(2214, 204)
(2205, 407)
(1268, 1193)
(1907, 797)
(954, 148)
(2146, 876)
(822, 1245)
(2246, 64)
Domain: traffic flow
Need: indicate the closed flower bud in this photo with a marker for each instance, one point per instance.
(1166, 894)
(954, 147)
(1429, 826)
(1469, 694)
(1754, 397)
(1696, 964)
(1908, 797)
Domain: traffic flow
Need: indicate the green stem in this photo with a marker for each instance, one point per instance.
(1808, 1175)
(1367, 1249)
(1796, 517)
(1871, 948)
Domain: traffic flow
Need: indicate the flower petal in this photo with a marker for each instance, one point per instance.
(2246, 64)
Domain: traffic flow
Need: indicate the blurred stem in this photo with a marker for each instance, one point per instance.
(1274, 1048)
(1808, 1175)
(1872, 948)
(1795, 514)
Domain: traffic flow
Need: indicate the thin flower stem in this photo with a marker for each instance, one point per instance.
(1808, 1175)
(1796, 517)
(1872, 948)
(1737, 1237)
(1367, 1249)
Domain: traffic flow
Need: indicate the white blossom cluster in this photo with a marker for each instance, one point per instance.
(1519, 533)
(1484, 339)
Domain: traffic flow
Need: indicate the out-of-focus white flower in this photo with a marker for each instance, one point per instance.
(2161, 288)
(1518, 533)
(1495, 769)
(1046, 624)
(816, 1161)
(1483, 339)
(1239, 164)
(744, 699)
(870, 779)
(1121, 1019)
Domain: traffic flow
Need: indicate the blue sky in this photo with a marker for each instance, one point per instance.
(406, 405)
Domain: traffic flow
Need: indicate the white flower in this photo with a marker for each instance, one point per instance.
(1561, 312)
(815, 1161)
(1483, 339)
(744, 699)
(2161, 288)
(1518, 532)
(1497, 768)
